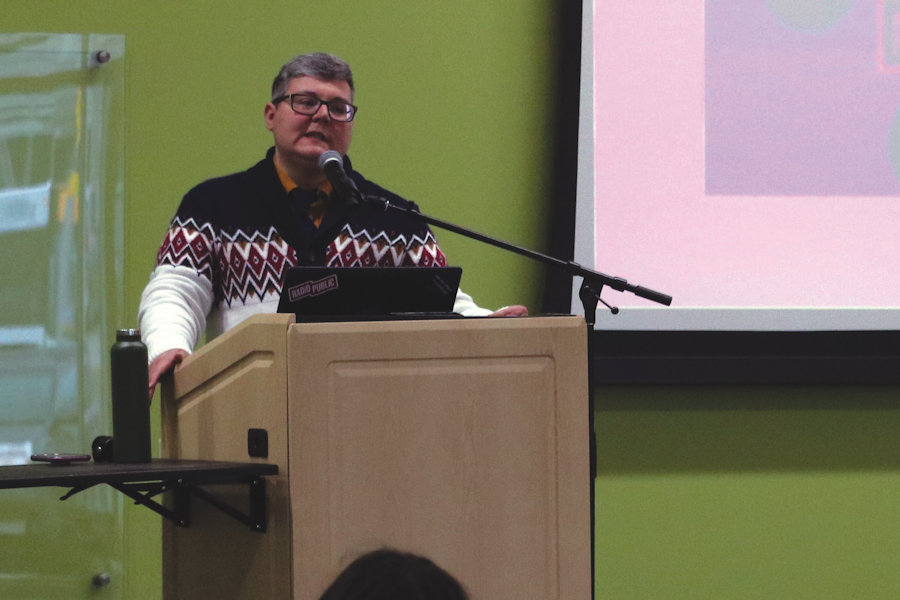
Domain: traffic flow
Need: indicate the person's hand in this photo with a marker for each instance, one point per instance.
(516, 310)
(164, 363)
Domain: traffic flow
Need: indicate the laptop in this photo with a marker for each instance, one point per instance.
(366, 293)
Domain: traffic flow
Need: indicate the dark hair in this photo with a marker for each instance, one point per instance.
(316, 64)
(393, 575)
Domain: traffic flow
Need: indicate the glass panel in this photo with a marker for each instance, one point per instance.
(61, 241)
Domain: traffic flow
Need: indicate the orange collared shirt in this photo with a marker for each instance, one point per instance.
(320, 204)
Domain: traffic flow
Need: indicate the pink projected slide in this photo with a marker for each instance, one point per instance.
(747, 154)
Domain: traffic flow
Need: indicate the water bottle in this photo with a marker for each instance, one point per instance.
(130, 400)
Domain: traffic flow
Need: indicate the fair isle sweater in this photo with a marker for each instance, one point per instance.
(232, 239)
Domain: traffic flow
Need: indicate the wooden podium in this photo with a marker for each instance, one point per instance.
(465, 440)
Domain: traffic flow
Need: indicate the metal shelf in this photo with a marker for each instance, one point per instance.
(142, 481)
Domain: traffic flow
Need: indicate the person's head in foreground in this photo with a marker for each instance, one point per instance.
(393, 575)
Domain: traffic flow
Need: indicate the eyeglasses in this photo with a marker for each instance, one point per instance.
(305, 104)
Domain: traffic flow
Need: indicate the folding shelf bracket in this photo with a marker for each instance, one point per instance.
(143, 493)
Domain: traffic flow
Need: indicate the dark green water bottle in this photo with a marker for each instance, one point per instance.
(130, 400)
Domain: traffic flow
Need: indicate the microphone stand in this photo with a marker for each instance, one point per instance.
(592, 283)
(589, 294)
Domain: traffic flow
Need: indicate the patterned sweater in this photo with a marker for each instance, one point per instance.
(233, 238)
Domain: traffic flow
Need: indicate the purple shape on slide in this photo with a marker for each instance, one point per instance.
(793, 111)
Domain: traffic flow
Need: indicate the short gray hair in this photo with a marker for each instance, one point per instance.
(320, 65)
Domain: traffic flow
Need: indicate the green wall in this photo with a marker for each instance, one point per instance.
(748, 492)
(702, 492)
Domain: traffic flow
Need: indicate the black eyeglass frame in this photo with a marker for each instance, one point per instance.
(320, 102)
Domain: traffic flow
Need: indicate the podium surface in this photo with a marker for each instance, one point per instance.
(464, 440)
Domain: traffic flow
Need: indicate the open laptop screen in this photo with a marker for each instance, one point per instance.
(361, 291)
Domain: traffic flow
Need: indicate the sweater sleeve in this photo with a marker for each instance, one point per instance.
(465, 306)
(173, 309)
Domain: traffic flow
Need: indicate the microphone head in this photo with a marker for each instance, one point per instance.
(330, 156)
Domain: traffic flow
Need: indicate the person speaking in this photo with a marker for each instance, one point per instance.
(233, 238)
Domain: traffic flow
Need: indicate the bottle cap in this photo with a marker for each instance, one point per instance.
(128, 334)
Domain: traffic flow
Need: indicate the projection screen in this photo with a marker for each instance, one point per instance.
(744, 158)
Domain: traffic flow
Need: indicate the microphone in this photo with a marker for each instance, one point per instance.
(332, 163)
